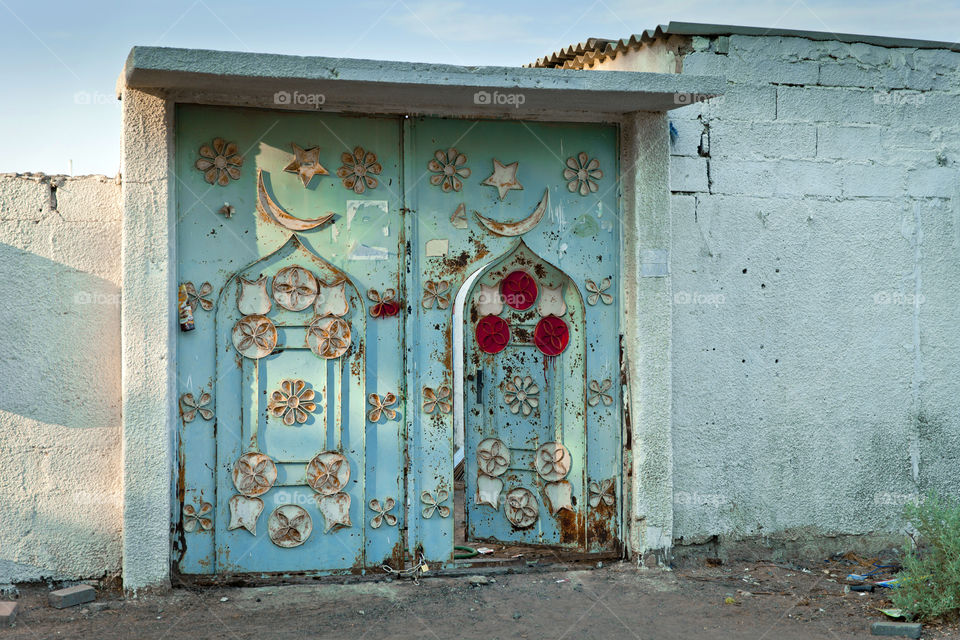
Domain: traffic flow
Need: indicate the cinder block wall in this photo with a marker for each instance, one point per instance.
(60, 371)
(816, 279)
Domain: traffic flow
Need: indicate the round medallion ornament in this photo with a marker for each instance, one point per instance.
(493, 457)
(522, 508)
(329, 337)
(254, 336)
(294, 288)
(552, 461)
(519, 290)
(328, 473)
(289, 526)
(551, 335)
(254, 474)
(493, 334)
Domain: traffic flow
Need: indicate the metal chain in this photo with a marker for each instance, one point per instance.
(414, 572)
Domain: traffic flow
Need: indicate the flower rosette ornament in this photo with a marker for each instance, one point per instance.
(519, 290)
(551, 336)
(492, 334)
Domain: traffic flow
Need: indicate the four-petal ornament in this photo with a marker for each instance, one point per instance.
(189, 407)
(598, 393)
(522, 509)
(436, 292)
(328, 472)
(603, 491)
(381, 406)
(254, 336)
(493, 457)
(329, 337)
(254, 474)
(294, 288)
(598, 292)
(194, 518)
(199, 298)
(289, 526)
(435, 504)
(552, 461)
(383, 513)
(384, 304)
(437, 399)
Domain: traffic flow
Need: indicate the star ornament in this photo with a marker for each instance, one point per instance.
(504, 177)
(306, 163)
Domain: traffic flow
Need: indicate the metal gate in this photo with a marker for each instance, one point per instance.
(326, 263)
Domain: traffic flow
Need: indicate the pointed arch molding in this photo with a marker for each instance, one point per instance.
(293, 252)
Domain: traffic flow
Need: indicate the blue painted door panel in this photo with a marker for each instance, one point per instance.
(360, 248)
(577, 241)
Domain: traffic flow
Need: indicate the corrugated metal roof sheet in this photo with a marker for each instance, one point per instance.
(598, 49)
(595, 48)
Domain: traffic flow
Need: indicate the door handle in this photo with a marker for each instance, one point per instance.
(479, 385)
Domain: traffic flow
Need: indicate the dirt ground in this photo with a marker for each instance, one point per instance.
(747, 600)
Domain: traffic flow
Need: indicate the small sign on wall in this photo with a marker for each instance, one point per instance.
(654, 263)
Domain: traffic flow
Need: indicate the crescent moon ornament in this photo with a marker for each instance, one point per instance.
(520, 227)
(267, 206)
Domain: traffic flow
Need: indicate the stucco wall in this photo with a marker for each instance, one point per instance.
(812, 206)
(60, 366)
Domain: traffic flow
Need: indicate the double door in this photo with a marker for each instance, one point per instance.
(372, 296)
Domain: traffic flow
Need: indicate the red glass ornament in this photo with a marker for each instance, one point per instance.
(493, 334)
(551, 335)
(519, 290)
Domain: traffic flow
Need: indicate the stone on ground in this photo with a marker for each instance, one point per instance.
(72, 596)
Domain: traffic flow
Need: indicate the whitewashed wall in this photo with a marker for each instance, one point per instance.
(816, 288)
(60, 370)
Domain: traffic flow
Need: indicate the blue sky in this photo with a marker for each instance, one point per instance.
(61, 59)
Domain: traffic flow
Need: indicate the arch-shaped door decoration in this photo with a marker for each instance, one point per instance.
(291, 422)
(524, 411)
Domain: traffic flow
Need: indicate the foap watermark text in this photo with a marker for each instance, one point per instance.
(298, 99)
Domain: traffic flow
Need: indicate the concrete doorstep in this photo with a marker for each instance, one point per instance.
(899, 629)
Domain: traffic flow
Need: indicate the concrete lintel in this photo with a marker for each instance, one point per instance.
(413, 87)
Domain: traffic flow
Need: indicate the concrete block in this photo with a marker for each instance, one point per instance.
(850, 74)
(841, 142)
(72, 596)
(8, 613)
(743, 102)
(775, 178)
(938, 182)
(872, 180)
(899, 629)
(825, 104)
(762, 140)
(91, 198)
(688, 137)
(688, 174)
(23, 198)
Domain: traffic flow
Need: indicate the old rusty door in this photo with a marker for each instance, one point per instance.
(289, 236)
(513, 330)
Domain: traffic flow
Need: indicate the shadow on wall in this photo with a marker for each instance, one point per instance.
(60, 352)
